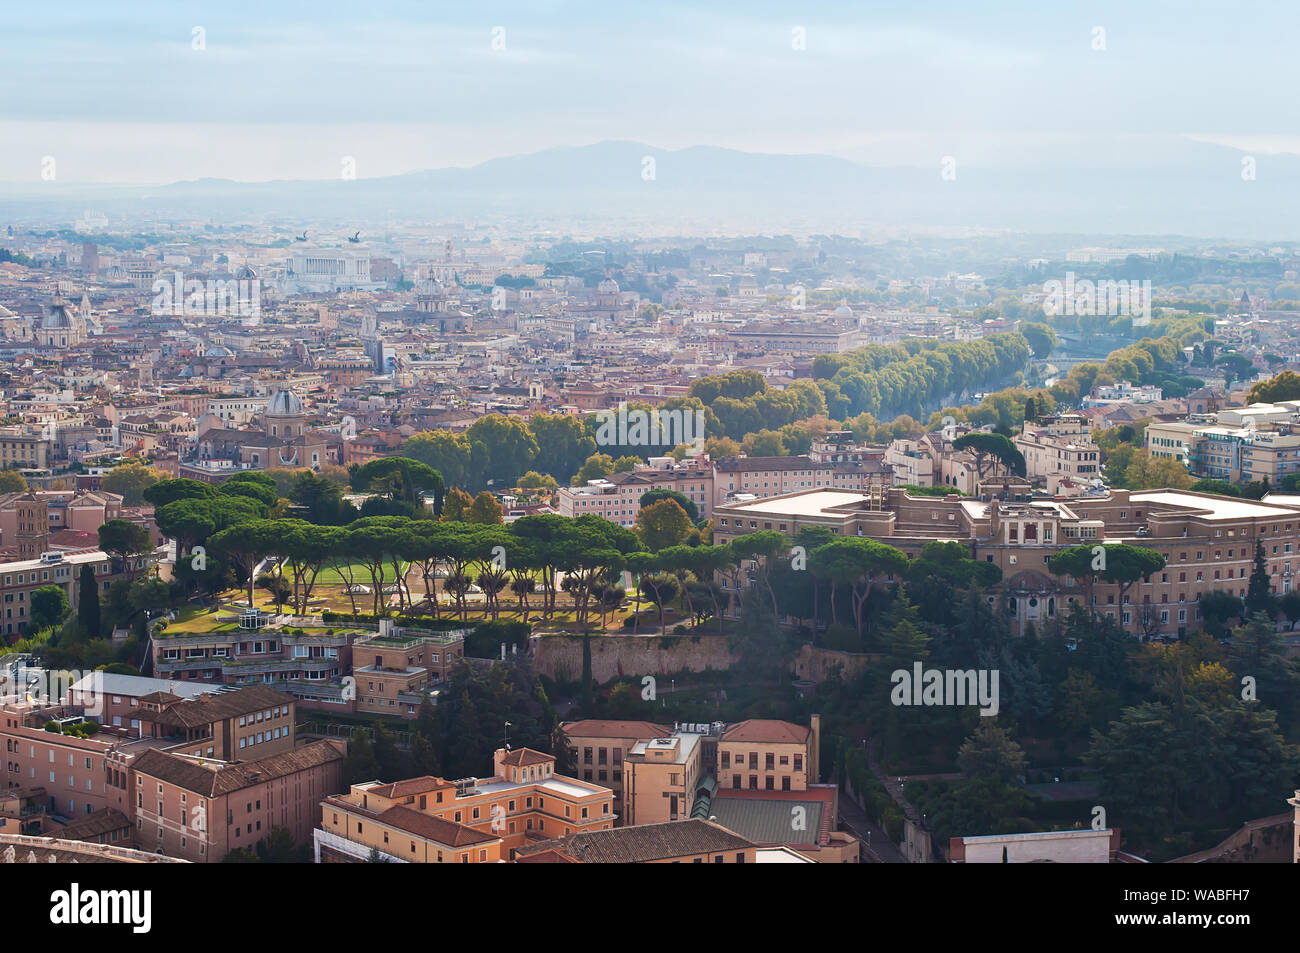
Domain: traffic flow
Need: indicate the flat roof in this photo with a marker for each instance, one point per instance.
(813, 503)
(1219, 507)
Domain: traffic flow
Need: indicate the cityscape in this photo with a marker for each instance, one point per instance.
(494, 466)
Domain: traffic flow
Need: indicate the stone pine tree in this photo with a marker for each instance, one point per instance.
(1259, 595)
(88, 602)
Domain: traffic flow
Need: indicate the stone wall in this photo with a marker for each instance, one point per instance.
(612, 656)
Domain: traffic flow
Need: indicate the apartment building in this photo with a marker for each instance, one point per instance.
(598, 749)
(81, 510)
(200, 809)
(1049, 456)
(21, 577)
(244, 725)
(663, 777)
(766, 477)
(23, 450)
(767, 755)
(395, 669)
(184, 748)
(473, 820)
(251, 656)
(617, 497)
(1208, 542)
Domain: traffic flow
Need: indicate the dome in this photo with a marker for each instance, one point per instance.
(58, 318)
(607, 287)
(245, 273)
(844, 311)
(284, 403)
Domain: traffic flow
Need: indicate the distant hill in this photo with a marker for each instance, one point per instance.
(1173, 187)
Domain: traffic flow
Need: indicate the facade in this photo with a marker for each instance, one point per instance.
(764, 755)
(663, 778)
(1208, 542)
(21, 577)
(599, 747)
(474, 820)
(618, 497)
(200, 810)
(1048, 455)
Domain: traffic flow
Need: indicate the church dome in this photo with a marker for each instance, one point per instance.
(607, 287)
(57, 319)
(284, 403)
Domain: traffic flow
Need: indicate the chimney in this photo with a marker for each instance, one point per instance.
(815, 752)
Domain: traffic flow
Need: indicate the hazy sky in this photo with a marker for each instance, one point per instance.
(116, 92)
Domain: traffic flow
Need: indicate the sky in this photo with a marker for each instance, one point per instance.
(151, 92)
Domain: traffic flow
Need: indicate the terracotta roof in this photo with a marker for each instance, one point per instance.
(218, 779)
(214, 708)
(644, 843)
(548, 856)
(606, 728)
(521, 757)
(762, 729)
(98, 822)
(448, 833)
(409, 787)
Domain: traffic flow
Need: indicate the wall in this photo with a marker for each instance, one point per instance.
(560, 656)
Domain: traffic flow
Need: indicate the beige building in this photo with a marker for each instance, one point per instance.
(661, 778)
(598, 749)
(768, 755)
(1208, 542)
(478, 820)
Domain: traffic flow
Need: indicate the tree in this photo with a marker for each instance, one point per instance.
(1259, 594)
(596, 467)
(359, 763)
(246, 544)
(169, 491)
(401, 479)
(1042, 339)
(88, 601)
(126, 541)
(130, 480)
(989, 448)
(991, 753)
(651, 497)
(11, 481)
(662, 524)
(456, 506)
(532, 480)
(485, 510)
(1234, 366)
(49, 606)
(1217, 487)
(321, 499)
(858, 563)
(1218, 608)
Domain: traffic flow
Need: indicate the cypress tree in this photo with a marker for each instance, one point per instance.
(88, 602)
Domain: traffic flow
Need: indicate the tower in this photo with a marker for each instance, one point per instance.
(33, 533)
